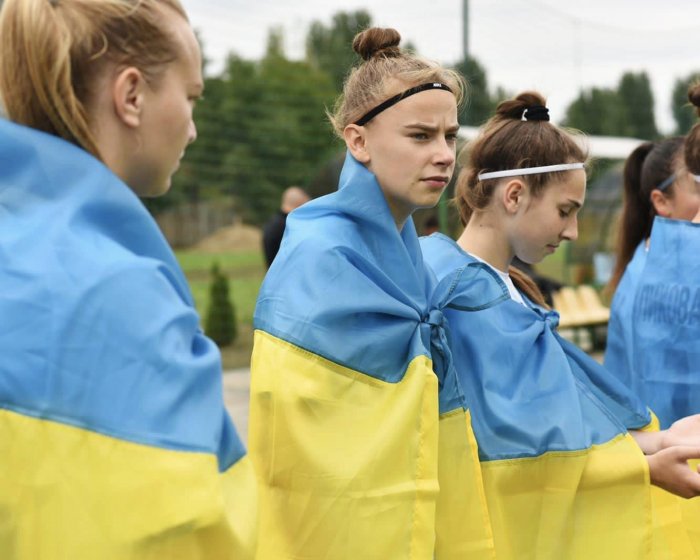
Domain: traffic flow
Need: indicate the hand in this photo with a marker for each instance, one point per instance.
(669, 469)
(685, 432)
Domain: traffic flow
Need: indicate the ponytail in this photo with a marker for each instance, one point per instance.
(527, 285)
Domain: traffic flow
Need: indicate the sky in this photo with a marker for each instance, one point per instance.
(556, 47)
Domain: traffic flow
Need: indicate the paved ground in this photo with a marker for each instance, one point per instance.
(236, 395)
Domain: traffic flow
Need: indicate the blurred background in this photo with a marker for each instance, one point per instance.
(616, 70)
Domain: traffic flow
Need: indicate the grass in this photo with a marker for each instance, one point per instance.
(246, 271)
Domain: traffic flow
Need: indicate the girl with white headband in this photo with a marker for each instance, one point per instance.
(563, 474)
(358, 428)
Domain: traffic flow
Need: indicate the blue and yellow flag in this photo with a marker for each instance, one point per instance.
(619, 352)
(666, 322)
(562, 476)
(358, 430)
(114, 439)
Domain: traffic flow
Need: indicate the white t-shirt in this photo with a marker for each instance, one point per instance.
(514, 293)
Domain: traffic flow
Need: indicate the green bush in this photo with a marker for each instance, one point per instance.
(220, 325)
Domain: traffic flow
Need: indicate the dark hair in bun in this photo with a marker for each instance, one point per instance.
(376, 42)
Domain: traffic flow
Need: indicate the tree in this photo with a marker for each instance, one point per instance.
(634, 91)
(683, 112)
(221, 317)
(330, 48)
(597, 111)
(480, 105)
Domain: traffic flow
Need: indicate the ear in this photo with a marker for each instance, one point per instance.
(513, 196)
(356, 141)
(661, 203)
(129, 91)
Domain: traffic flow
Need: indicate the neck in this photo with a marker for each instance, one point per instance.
(484, 239)
(400, 213)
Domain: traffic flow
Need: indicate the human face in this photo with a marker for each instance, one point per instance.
(685, 202)
(167, 127)
(411, 148)
(543, 222)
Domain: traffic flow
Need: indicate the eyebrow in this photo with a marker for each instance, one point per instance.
(575, 203)
(428, 128)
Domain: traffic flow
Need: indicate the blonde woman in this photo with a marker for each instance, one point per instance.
(114, 439)
(358, 429)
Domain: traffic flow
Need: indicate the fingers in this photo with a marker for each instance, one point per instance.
(684, 453)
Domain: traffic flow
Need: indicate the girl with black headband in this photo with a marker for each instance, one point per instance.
(114, 438)
(563, 476)
(657, 183)
(358, 428)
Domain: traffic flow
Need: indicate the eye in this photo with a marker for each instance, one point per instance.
(564, 214)
(451, 137)
(420, 136)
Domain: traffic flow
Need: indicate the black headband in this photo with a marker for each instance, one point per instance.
(536, 113)
(394, 100)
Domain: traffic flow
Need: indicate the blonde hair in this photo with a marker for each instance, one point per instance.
(51, 52)
(384, 63)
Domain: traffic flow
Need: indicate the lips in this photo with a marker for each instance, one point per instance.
(438, 181)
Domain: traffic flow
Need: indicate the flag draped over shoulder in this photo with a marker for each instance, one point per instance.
(114, 439)
(619, 351)
(665, 324)
(666, 319)
(562, 476)
(358, 430)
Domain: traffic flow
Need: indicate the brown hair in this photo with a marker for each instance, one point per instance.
(507, 141)
(692, 142)
(645, 169)
(52, 51)
(372, 81)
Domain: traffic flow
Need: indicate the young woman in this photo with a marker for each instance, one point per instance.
(357, 419)
(114, 438)
(563, 476)
(657, 183)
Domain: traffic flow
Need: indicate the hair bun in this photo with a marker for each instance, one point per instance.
(694, 96)
(376, 42)
(514, 108)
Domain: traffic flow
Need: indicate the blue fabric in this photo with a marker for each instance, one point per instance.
(619, 352)
(666, 322)
(98, 328)
(348, 286)
(529, 391)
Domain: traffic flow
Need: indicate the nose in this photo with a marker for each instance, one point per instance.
(192, 133)
(570, 232)
(445, 153)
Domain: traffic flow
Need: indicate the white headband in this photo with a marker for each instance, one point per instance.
(697, 178)
(531, 170)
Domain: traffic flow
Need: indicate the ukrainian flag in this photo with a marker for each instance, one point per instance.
(665, 326)
(114, 440)
(562, 476)
(619, 351)
(358, 430)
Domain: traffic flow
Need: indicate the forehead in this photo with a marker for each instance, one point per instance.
(431, 106)
(189, 60)
(572, 186)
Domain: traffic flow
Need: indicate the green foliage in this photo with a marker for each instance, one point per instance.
(480, 105)
(261, 128)
(221, 324)
(683, 111)
(627, 110)
(330, 48)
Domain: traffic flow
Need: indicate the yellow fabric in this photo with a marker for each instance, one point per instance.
(690, 511)
(462, 520)
(589, 504)
(673, 520)
(346, 464)
(74, 494)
